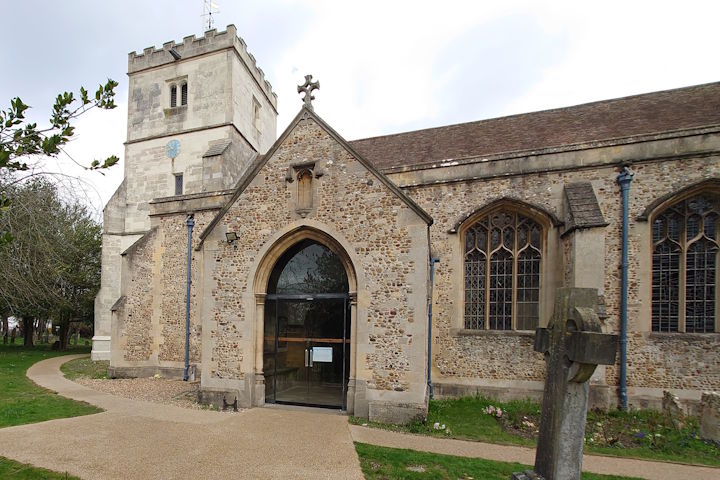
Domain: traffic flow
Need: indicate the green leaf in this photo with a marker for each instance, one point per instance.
(110, 161)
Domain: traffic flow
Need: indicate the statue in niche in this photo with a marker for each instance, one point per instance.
(304, 190)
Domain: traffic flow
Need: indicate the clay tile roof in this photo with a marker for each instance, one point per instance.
(651, 113)
(583, 208)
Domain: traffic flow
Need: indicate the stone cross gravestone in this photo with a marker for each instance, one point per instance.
(574, 345)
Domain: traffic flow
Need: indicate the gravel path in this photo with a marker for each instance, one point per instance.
(139, 440)
(156, 390)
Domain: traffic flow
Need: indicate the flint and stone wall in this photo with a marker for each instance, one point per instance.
(148, 334)
(384, 239)
(504, 364)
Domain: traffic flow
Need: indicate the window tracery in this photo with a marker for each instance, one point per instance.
(502, 257)
(684, 265)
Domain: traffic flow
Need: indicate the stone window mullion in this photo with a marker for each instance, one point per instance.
(717, 282)
(682, 280)
(515, 256)
(487, 282)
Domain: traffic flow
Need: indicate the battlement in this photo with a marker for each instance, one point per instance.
(192, 47)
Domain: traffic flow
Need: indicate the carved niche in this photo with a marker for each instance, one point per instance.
(303, 176)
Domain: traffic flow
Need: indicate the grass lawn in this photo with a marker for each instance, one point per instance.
(10, 469)
(390, 463)
(641, 434)
(85, 368)
(22, 401)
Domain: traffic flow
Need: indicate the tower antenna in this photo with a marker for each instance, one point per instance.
(209, 9)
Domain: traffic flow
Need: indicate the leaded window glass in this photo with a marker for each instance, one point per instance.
(183, 94)
(685, 258)
(503, 253)
(308, 267)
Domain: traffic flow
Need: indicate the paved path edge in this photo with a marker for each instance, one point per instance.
(509, 453)
(46, 373)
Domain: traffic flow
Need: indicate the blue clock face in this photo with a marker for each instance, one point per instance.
(172, 149)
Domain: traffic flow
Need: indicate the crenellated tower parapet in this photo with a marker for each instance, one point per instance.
(191, 46)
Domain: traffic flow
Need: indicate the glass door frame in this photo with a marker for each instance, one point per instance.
(309, 298)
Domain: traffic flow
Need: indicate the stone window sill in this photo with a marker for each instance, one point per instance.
(466, 332)
(171, 111)
(684, 336)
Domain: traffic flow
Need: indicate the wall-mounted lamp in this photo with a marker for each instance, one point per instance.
(231, 237)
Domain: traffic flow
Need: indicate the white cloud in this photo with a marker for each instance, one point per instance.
(384, 66)
(625, 48)
(374, 61)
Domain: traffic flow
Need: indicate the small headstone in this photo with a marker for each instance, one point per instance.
(526, 475)
(672, 408)
(573, 346)
(415, 468)
(710, 416)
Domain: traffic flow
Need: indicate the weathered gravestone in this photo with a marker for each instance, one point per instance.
(710, 416)
(573, 346)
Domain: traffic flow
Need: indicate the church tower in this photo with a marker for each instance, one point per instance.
(198, 112)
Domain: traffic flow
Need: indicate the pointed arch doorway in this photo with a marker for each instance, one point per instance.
(307, 319)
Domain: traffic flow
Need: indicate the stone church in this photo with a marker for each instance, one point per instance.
(367, 275)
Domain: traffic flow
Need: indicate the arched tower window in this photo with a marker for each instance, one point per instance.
(173, 96)
(183, 94)
(684, 268)
(503, 259)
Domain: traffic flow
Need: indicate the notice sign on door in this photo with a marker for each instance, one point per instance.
(322, 354)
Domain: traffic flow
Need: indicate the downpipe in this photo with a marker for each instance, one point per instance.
(624, 179)
(190, 222)
(433, 261)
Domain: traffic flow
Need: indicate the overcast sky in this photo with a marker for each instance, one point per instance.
(384, 66)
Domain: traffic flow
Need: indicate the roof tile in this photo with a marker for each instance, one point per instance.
(651, 113)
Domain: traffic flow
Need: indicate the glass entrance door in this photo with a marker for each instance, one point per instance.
(307, 349)
(307, 328)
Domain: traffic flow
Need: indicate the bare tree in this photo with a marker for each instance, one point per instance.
(23, 145)
(51, 269)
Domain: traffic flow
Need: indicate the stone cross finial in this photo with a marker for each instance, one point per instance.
(573, 346)
(307, 88)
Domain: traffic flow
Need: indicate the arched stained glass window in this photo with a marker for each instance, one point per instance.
(684, 270)
(503, 256)
(308, 267)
